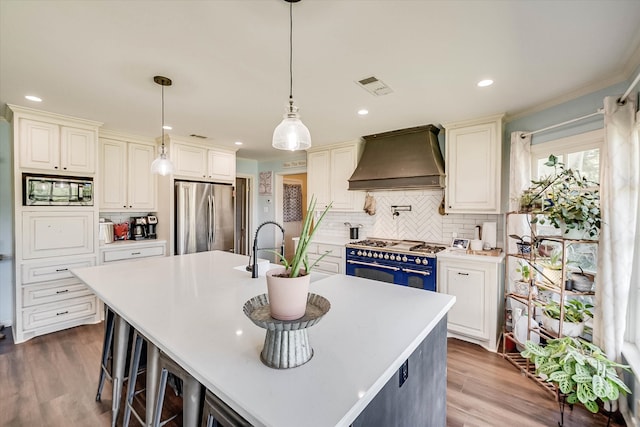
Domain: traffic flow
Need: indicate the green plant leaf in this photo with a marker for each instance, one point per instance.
(585, 393)
(569, 367)
(566, 386)
(572, 398)
(551, 366)
(558, 376)
(614, 391)
(535, 348)
(581, 378)
(582, 370)
(617, 381)
(591, 406)
(600, 386)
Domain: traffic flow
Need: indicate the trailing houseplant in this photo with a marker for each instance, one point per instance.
(288, 286)
(576, 313)
(580, 370)
(570, 201)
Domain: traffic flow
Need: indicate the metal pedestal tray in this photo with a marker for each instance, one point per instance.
(287, 343)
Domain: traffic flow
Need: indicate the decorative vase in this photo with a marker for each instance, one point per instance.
(569, 329)
(287, 295)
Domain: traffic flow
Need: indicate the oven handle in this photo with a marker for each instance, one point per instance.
(373, 265)
(424, 273)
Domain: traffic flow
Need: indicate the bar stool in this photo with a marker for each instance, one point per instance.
(109, 320)
(138, 350)
(191, 393)
(215, 413)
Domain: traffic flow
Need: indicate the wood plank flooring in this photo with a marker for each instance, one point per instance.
(51, 380)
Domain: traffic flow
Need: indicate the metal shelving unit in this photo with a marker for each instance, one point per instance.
(540, 283)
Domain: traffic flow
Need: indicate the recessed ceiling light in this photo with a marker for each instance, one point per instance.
(363, 112)
(485, 83)
(167, 127)
(238, 143)
(33, 98)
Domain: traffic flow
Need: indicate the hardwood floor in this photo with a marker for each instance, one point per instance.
(51, 380)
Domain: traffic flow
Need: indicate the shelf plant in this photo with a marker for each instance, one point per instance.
(575, 311)
(568, 200)
(580, 370)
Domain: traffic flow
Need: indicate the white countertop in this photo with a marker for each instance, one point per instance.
(463, 254)
(191, 308)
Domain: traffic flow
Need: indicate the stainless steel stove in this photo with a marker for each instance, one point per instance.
(403, 262)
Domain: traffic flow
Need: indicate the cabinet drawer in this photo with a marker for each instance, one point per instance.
(334, 250)
(51, 314)
(54, 234)
(132, 253)
(51, 292)
(45, 271)
(328, 264)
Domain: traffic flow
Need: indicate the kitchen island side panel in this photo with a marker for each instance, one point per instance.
(422, 399)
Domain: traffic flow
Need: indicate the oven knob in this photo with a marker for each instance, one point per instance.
(425, 261)
(375, 255)
(392, 257)
(404, 258)
(359, 253)
(418, 261)
(369, 254)
(386, 256)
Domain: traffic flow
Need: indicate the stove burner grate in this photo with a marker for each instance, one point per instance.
(373, 243)
(426, 248)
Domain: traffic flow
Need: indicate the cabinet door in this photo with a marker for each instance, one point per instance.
(39, 145)
(141, 182)
(189, 160)
(77, 150)
(222, 166)
(318, 177)
(473, 169)
(59, 233)
(113, 174)
(343, 163)
(469, 315)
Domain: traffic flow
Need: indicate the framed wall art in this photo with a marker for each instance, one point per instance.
(265, 186)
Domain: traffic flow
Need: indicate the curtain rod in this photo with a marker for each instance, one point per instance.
(598, 111)
(633, 84)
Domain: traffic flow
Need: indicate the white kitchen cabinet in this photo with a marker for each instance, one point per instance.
(328, 172)
(58, 148)
(191, 160)
(131, 250)
(125, 175)
(57, 233)
(473, 159)
(477, 285)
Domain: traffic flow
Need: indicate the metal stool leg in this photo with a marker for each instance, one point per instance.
(120, 341)
(106, 351)
(162, 386)
(133, 374)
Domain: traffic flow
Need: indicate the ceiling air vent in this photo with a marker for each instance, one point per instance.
(195, 135)
(374, 86)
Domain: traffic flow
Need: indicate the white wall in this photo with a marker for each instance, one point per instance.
(6, 224)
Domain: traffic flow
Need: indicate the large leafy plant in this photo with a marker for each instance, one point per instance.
(575, 311)
(579, 369)
(300, 258)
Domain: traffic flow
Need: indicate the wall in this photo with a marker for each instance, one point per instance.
(6, 224)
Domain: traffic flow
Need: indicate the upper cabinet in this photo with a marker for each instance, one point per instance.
(193, 160)
(53, 143)
(328, 171)
(473, 159)
(126, 181)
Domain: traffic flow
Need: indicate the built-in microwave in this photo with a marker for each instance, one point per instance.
(46, 190)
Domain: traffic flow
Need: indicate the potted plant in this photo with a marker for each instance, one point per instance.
(580, 371)
(575, 314)
(288, 286)
(522, 284)
(552, 268)
(571, 201)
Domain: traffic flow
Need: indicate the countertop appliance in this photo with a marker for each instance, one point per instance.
(402, 262)
(139, 228)
(106, 232)
(152, 227)
(45, 190)
(204, 217)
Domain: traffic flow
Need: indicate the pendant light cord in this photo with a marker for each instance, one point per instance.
(162, 129)
(290, 56)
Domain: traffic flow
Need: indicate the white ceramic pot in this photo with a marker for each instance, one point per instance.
(287, 296)
(574, 233)
(568, 329)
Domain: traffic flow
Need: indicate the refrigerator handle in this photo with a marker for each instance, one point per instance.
(213, 219)
(209, 223)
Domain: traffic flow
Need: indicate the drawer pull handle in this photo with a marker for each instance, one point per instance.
(62, 269)
(62, 292)
(62, 312)
(424, 273)
(135, 253)
(463, 274)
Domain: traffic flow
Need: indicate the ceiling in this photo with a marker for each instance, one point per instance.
(228, 60)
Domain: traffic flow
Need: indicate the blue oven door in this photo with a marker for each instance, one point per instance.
(373, 271)
(421, 279)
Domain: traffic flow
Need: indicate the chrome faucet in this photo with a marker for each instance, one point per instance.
(254, 264)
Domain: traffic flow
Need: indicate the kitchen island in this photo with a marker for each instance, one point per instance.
(190, 307)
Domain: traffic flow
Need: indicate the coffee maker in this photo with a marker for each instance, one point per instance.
(139, 228)
(152, 224)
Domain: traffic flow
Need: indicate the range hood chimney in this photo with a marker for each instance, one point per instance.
(402, 159)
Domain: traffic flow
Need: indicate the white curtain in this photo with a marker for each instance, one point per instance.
(617, 252)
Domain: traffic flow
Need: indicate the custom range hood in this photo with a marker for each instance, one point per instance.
(400, 159)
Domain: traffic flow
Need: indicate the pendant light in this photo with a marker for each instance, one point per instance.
(291, 134)
(162, 165)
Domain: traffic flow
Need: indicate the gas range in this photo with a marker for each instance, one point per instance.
(403, 262)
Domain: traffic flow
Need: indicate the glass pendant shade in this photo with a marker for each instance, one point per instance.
(162, 165)
(291, 134)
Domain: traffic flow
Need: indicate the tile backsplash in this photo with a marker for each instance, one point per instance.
(423, 222)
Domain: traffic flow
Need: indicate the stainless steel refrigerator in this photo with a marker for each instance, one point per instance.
(204, 217)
